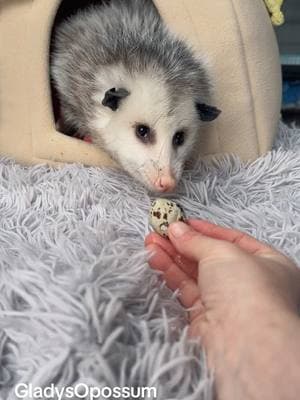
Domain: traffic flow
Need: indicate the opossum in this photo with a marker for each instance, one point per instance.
(139, 91)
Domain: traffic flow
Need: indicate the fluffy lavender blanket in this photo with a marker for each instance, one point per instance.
(78, 303)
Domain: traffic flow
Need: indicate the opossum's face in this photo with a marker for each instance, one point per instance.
(147, 135)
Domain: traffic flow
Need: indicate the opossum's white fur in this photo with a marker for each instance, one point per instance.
(125, 44)
(145, 161)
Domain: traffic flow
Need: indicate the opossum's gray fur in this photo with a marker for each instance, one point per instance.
(126, 32)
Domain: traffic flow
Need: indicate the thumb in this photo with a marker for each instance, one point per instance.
(193, 244)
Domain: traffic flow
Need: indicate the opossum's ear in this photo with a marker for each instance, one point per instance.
(206, 112)
(113, 98)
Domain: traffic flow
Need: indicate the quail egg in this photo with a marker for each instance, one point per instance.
(163, 212)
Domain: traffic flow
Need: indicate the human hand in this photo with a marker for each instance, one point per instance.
(216, 268)
(232, 284)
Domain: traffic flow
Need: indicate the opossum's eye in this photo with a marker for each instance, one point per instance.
(206, 112)
(178, 139)
(143, 132)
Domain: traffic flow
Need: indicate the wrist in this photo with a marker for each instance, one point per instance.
(254, 355)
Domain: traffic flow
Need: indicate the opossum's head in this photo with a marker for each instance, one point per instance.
(148, 132)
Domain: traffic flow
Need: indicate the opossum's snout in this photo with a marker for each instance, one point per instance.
(164, 183)
(158, 170)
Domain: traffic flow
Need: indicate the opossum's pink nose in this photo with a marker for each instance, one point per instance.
(165, 183)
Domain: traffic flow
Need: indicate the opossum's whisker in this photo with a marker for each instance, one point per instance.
(158, 118)
(141, 166)
(156, 164)
(148, 178)
(183, 122)
(161, 150)
(144, 173)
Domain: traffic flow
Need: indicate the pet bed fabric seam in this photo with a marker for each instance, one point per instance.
(247, 74)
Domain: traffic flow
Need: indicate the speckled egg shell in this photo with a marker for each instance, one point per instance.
(162, 213)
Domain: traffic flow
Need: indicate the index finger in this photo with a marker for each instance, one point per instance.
(187, 266)
(242, 240)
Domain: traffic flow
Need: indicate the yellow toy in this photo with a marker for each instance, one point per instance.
(274, 7)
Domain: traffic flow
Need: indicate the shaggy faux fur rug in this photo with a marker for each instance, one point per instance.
(79, 303)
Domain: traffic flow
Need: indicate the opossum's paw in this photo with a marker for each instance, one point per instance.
(164, 212)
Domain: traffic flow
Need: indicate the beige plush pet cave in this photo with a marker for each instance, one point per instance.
(236, 35)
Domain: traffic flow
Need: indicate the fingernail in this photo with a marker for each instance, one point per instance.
(178, 229)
